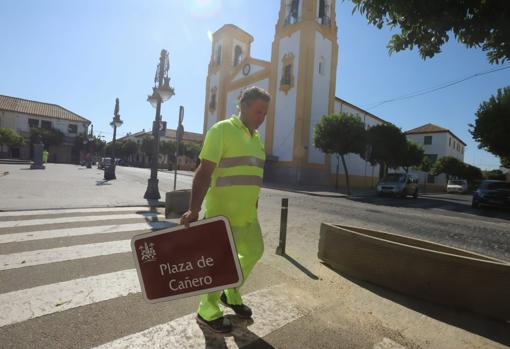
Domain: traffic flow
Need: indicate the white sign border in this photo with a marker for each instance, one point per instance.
(180, 227)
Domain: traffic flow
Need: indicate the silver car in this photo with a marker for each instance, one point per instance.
(398, 184)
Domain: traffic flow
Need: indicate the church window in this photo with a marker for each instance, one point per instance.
(238, 55)
(287, 74)
(212, 100)
(287, 78)
(292, 11)
(323, 13)
(321, 66)
(218, 55)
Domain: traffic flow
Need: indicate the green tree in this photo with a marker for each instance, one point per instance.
(387, 145)
(147, 145)
(127, 148)
(168, 148)
(471, 173)
(429, 24)
(492, 125)
(412, 156)
(10, 138)
(340, 134)
(450, 166)
(50, 136)
(191, 150)
(495, 174)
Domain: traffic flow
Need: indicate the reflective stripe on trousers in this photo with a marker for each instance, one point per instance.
(238, 180)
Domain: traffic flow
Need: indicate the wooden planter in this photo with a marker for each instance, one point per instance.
(419, 268)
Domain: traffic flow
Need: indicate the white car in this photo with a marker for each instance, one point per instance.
(457, 186)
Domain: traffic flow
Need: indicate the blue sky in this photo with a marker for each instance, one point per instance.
(82, 54)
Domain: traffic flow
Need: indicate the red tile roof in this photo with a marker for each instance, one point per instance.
(26, 106)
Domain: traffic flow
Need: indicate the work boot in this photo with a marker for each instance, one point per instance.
(241, 310)
(219, 325)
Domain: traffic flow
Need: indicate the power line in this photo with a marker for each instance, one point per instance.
(437, 87)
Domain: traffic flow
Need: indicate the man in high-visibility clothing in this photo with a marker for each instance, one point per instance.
(229, 177)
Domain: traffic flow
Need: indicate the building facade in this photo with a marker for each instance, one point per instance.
(22, 115)
(437, 142)
(301, 78)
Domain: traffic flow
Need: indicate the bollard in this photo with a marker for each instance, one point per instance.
(280, 250)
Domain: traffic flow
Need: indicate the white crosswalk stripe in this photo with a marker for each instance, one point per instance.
(53, 255)
(20, 306)
(30, 222)
(30, 303)
(68, 232)
(70, 210)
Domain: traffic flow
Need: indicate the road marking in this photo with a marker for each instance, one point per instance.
(272, 310)
(68, 232)
(70, 210)
(26, 304)
(61, 254)
(76, 219)
(387, 343)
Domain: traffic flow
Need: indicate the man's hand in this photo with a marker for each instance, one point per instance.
(189, 217)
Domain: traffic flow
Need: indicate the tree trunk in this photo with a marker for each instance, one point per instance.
(346, 175)
(337, 170)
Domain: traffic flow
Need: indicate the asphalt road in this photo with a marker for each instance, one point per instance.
(78, 275)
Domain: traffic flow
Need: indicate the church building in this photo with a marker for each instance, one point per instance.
(301, 78)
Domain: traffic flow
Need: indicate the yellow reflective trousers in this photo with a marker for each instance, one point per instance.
(250, 248)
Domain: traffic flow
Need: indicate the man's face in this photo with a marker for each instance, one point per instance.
(256, 113)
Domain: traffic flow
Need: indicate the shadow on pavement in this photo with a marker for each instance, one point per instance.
(493, 329)
(243, 337)
(301, 267)
(458, 205)
(103, 182)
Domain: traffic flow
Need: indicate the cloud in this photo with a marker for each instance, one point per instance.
(209, 35)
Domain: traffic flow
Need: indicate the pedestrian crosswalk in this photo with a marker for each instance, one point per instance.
(78, 263)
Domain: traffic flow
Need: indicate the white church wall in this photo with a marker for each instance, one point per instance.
(214, 81)
(285, 104)
(320, 92)
(232, 106)
(254, 68)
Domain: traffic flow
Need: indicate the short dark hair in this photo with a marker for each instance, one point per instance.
(253, 93)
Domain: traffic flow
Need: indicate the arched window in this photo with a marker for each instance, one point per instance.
(324, 12)
(238, 55)
(292, 11)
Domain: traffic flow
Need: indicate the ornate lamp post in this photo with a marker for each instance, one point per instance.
(161, 92)
(90, 139)
(109, 171)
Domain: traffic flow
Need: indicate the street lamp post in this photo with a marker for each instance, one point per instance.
(90, 138)
(109, 171)
(161, 92)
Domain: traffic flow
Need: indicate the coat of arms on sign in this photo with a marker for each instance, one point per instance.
(147, 251)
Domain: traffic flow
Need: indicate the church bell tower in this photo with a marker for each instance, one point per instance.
(303, 82)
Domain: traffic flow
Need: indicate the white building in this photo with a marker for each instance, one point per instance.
(437, 142)
(301, 78)
(21, 115)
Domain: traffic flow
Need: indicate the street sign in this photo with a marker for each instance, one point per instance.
(178, 262)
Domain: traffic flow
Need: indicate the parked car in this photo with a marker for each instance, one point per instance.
(101, 164)
(492, 193)
(457, 186)
(398, 184)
